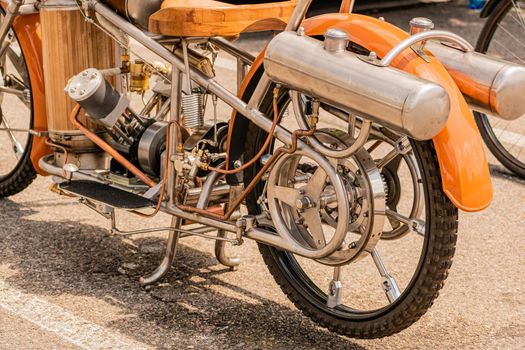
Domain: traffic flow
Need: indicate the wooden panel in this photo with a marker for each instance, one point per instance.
(69, 45)
(215, 18)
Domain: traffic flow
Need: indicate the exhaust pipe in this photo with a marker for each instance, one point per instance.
(407, 104)
(490, 85)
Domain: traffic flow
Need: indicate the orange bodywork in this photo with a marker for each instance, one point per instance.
(27, 29)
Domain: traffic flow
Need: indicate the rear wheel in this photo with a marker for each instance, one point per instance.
(16, 117)
(393, 285)
(502, 36)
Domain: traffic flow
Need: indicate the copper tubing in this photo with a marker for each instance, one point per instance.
(112, 152)
(295, 135)
(263, 148)
(63, 149)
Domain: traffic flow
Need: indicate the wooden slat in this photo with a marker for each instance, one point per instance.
(69, 45)
(214, 18)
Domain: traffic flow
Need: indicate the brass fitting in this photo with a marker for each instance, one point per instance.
(124, 59)
(139, 81)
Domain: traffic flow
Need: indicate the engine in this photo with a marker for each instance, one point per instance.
(141, 140)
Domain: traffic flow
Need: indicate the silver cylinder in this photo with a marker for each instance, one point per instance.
(489, 84)
(405, 103)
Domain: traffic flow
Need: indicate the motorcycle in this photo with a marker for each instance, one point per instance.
(350, 148)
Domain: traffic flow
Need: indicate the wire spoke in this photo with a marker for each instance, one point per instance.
(18, 149)
(507, 50)
(516, 5)
(511, 35)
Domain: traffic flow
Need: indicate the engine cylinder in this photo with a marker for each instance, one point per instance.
(405, 103)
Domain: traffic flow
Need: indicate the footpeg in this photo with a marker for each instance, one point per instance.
(105, 194)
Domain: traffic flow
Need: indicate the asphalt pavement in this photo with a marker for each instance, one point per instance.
(65, 283)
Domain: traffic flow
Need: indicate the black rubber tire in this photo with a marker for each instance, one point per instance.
(20, 177)
(485, 129)
(435, 262)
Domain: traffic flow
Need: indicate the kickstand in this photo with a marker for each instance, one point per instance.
(222, 257)
(169, 255)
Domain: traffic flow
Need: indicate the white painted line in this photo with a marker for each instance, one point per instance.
(512, 138)
(73, 329)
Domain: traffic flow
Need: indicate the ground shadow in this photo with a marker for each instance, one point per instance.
(56, 258)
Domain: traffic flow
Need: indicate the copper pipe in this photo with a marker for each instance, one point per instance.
(73, 117)
(63, 149)
(293, 148)
(263, 148)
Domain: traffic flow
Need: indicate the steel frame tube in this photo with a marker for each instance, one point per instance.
(347, 6)
(205, 82)
(233, 50)
(253, 114)
(422, 36)
(298, 14)
(11, 12)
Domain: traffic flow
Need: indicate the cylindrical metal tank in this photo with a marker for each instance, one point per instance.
(489, 84)
(405, 103)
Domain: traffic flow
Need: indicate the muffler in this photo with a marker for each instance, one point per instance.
(388, 96)
(489, 84)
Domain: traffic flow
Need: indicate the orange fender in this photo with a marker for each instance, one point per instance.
(459, 147)
(27, 30)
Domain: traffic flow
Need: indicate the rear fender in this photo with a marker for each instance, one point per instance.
(459, 147)
(27, 28)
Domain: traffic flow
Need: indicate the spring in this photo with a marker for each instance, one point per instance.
(193, 109)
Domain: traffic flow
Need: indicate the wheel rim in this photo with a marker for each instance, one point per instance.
(15, 107)
(504, 39)
(317, 290)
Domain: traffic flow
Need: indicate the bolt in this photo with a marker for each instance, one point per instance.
(372, 55)
(352, 245)
(82, 92)
(304, 203)
(237, 164)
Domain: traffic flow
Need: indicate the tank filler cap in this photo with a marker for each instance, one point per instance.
(420, 24)
(335, 40)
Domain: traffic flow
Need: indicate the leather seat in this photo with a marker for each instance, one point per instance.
(191, 18)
